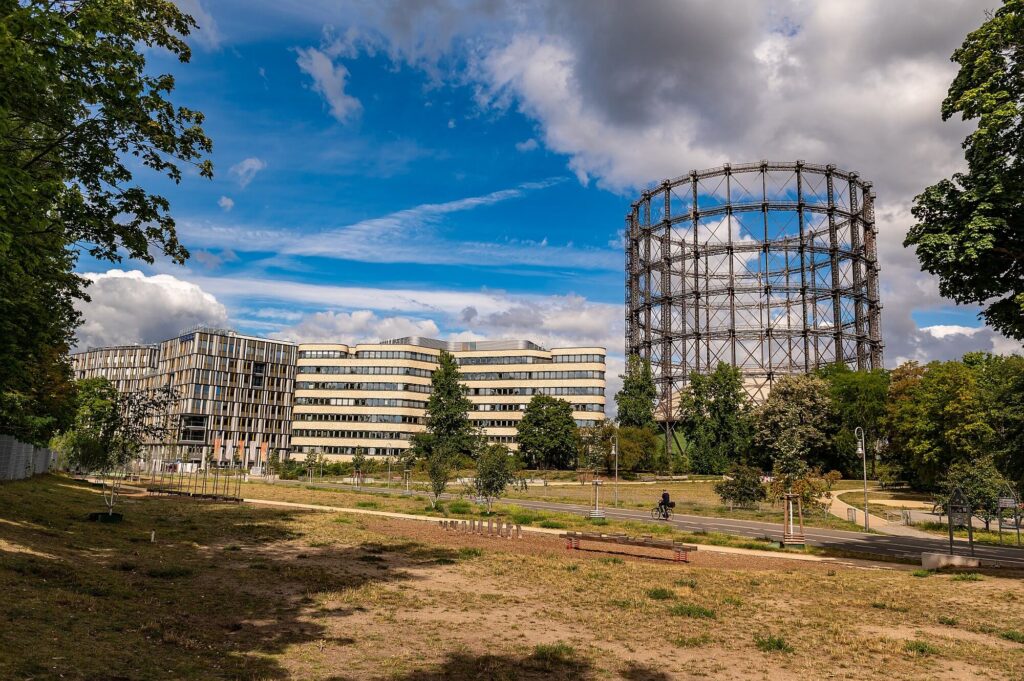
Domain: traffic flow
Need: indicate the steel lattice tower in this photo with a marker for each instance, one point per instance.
(770, 267)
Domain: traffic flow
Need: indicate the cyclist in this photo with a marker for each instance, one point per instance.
(665, 504)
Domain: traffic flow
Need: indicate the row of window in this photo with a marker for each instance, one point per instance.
(361, 402)
(574, 390)
(462, 361)
(360, 418)
(353, 434)
(350, 451)
(396, 354)
(331, 385)
(371, 370)
(530, 375)
(565, 359)
(322, 354)
(522, 407)
(527, 359)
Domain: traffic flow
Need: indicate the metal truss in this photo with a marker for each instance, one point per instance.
(771, 267)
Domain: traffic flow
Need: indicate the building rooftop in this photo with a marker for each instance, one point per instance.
(463, 346)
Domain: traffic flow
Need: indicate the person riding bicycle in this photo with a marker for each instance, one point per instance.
(665, 504)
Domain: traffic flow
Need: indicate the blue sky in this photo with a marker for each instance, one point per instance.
(462, 169)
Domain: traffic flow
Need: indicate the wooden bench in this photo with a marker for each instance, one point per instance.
(680, 552)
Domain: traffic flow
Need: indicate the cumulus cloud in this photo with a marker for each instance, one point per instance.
(207, 34)
(245, 170)
(226, 203)
(329, 81)
(360, 326)
(131, 307)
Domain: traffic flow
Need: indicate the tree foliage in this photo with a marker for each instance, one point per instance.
(714, 414)
(635, 400)
(795, 423)
(79, 113)
(547, 434)
(496, 469)
(970, 229)
(450, 435)
(742, 487)
(597, 446)
(640, 449)
(982, 485)
(858, 399)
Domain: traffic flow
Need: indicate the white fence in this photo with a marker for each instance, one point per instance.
(19, 460)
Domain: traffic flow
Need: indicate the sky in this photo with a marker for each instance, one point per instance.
(462, 170)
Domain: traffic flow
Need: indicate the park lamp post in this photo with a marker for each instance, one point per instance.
(858, 433)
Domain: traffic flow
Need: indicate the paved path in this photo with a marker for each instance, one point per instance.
(840, 509)
(840, 540)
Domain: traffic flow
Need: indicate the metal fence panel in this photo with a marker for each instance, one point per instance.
(20, 460)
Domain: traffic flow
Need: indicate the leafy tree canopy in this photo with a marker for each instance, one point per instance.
(714, 416)
(635, 400)
(970, 229)
(795, 422)
(742, 487)
(548, 437)
(496, 469)
(858, 399)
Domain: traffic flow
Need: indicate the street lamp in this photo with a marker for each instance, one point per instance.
(858, 433)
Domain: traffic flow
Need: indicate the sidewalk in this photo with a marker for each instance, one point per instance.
(840, 508)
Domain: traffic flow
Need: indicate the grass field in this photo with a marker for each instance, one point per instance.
(240, 592)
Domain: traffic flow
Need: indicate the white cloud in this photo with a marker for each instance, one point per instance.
(329, 80)
(207, 34)
(945, 330)
(409, 235)
(526, 145)
(360, 326)
(130, 307)
(451, 123)
(226, 203)
(245, 170)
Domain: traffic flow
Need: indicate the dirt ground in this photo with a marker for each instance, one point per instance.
(240, 592)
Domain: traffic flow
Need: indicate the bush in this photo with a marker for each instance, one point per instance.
(948, 621)
(922, 573)
(551, 654)
(769, 643)
(660, 594)
(552, 524)
(742, 488)
(920, 648)
(966, 577)
(460, 506)
(1013, 635)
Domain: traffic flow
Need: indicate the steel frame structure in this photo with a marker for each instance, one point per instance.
(770, 267)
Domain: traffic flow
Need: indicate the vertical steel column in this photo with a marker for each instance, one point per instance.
(667, 331)
(871, 252)
(732, 273)
(855, 226)
(645, 228)
(766, 243)
(803, 265)
(837, 313)
(696, 273)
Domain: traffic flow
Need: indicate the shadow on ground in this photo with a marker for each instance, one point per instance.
(212, 597)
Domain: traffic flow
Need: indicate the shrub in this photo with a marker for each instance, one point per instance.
(920, 648)
(460, 506)
(966, 577)
(660, 594)
(470, 553)
(770, 643)
(691, 610)
(922, 573)
(551, 654)
(1013, 635)
(367, 504)
(948, 621)
(742, 488)
(687, 582)
(552, 524)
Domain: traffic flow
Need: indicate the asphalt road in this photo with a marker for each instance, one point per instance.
(840, 540)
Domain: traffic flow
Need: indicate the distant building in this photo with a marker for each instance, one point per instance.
(241, 398)
(129, 368)
(374, 396)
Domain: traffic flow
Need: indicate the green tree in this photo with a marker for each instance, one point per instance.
(970, 229)
(937, 415)
(596, 446)
(635, 400)
(547, 434)
(110, 430)
(742, 487)
(982, 484)
(79, 112)
(359, 465)
(1007, 400)
(795, 423)
(714, 417)
(450, 435)
(640, 449)
(858, 399)
(496, 469)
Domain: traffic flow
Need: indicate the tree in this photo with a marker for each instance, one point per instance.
(743, 487)
(547, 434)
(714, 417)
(795, 422)
(858, 399)
(359, 464)
(937, 415)
(596, 446)
(639, 449)
(111, 428)
(450, 435)
(636, 398)
(496, 469)
(982, 484)
(970, 229)
(79, 111)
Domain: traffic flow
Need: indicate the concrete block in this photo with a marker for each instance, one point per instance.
(936, 561)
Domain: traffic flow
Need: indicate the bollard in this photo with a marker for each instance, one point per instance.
(152, 537)
(519, 531)
(490, 527)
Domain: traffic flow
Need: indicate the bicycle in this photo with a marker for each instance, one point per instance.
(660, 512)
